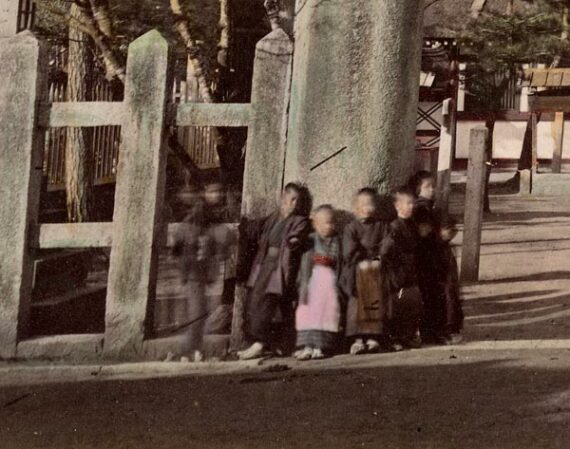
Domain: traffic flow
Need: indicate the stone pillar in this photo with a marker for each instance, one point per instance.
(355, 85)
(8, 17)
(266, 139)
(23, 86)
(139, 198)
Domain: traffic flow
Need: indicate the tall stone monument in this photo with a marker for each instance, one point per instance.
(354, 94)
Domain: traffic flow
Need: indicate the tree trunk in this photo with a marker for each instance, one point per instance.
(77, 151)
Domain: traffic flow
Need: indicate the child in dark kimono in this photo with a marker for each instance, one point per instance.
(399, 252)
(318, 312)
(276, 241)
(361, 279)
(449, 283)
(425, 216)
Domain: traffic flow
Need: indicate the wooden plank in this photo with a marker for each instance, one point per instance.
(474, 199)
(81, 114)
(538, 78)
(23, 85)
(554, 79)
(558, 136)
(565, 79)
(447, 142)
(551, 104)
(210, 114)
(139, 198)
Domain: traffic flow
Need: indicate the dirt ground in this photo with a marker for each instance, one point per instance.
(432, 398)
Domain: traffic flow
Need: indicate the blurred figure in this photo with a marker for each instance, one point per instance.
(204, 245)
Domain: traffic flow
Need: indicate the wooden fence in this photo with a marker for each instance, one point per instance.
(137, 231)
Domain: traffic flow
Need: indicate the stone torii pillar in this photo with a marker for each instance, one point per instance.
(354, 96)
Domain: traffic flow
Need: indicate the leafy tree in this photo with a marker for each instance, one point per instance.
(500, 42)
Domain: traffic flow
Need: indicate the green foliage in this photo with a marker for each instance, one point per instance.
(498, 44)
(498, 39)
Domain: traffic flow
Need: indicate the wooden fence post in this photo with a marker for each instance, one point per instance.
(138, 198)
(23, 86)
(534, 134)
(474, 199)
(266, 142)
(558, 134)
(446, 154)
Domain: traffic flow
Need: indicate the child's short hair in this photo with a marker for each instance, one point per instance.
(402, 191)
(367, 191)
(323, 207)
(292, 187)
(423, 216)
(448, 222)
(415, 182)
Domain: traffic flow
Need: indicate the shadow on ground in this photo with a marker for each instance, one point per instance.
(451, 403)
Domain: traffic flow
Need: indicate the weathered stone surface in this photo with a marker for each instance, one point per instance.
(76, 347)
(20, 171)
(138, 198)
(355, 85)
(8, 18)
(263, 176)
(474, 198)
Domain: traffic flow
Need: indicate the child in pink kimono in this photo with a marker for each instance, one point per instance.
(318, 311)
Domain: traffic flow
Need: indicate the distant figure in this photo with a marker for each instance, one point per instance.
(361, 277)
(399, 251)
(318, 311)
(271, 263)
(449, 282)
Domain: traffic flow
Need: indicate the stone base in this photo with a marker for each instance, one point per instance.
(551, 184)
(79, 347)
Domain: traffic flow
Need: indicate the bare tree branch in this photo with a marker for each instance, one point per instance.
(183, 28)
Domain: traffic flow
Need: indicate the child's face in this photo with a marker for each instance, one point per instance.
(404, 206)
(448, 234)
(323, 222)
(425, 229)
(214, 194)
(289, 202)
(427, 189)
(365, 206)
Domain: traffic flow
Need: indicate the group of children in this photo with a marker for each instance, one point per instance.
(384, 285)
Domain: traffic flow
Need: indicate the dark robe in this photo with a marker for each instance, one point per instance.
(361, 241)
(450, 287)
(271, 260)
(428, 264)
(363, 288)
(399, 268)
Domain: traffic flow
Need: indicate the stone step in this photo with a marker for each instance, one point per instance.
(551, 184)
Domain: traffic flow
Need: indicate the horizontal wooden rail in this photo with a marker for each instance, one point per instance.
(88, 235)
(212, 114)
(81, 114)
